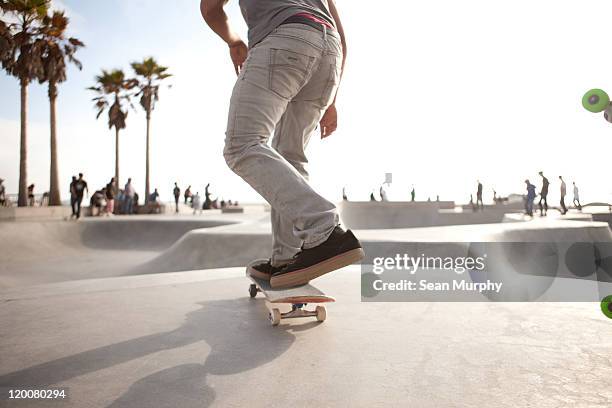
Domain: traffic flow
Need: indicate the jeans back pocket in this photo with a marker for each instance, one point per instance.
(288, 71)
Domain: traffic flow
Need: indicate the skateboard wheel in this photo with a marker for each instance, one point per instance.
(275, 317)
(321, 313)
(253, 290)
(595, 100)
(606, 306)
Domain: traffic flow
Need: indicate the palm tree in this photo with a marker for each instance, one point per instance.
(150, 75)
(58, 49)
(21, 50)
(112, 86)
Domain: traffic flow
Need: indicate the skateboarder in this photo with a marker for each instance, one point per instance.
(285, 88)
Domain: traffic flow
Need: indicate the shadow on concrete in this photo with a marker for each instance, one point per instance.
(236, 330)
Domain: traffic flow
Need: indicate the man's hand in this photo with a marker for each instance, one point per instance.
(238, 53)
(329, 121)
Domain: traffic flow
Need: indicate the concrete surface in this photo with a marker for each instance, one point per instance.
(166, 341)
(195, 338)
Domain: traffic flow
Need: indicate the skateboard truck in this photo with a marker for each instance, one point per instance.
(298, 302)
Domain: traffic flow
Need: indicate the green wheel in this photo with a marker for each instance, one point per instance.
(595, 100)
(606, 306)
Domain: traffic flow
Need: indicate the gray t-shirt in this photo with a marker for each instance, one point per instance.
(263, 16)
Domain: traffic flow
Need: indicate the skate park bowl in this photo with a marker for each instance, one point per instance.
(50, 251)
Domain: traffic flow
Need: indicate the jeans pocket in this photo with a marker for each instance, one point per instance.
(333, 80)
(288, 72)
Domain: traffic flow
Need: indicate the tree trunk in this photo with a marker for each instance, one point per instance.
(22, 200)
(147, 185)
(117, 160)
(54, 189)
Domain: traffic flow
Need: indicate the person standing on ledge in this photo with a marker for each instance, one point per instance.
(479, 203)
(2, 194)
(531, 195)
(80, 188)
(177, 195)
(543, 204)
(288, 78)
(576, 197)
(563, 194)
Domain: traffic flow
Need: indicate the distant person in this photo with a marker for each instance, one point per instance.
(543, 204)
(31, 200)
(576, 201)
(207, 201)
(73, 197)
(177, 196)
(154, 196)
(109, 191)
(80, 187)
(196, 203)
(344, 196)
(45, 199)
(472, 204)
(136, 203)
(223, 203)
(154, 202)
(129, 194)
(494, 196)
(479, 203)
(531, 195)
(563, 194)
(188, 194)
(383, 194)
(96, 202)
(413, 194)
(2, 194)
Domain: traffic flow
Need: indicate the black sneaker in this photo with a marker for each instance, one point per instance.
(263, 269)
(341, 249)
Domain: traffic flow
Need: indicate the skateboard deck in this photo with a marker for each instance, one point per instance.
(298, 297)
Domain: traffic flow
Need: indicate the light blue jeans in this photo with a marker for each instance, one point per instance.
(286, 84)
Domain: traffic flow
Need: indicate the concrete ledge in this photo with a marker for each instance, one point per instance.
(387, 214)
(34, 213)
(232, 210)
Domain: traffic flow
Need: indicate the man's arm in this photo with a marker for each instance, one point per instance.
(329, 122)
(217, 20)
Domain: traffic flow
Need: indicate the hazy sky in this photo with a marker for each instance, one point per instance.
(440, 93)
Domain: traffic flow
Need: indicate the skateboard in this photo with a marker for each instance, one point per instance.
(298, 297)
